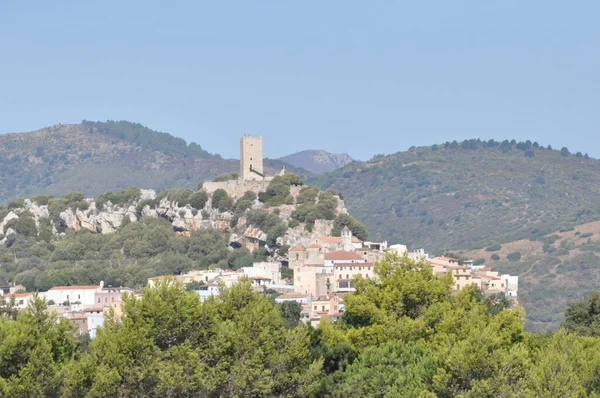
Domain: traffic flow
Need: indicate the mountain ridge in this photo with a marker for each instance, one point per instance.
(317, 161)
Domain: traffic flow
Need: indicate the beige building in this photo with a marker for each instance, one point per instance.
(251, 158)
(344, 273)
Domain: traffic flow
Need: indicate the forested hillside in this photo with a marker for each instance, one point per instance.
(94, 157)
(470, 194)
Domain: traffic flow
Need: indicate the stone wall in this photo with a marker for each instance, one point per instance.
(237, 188)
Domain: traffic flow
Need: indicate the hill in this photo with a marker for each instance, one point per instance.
(94, 157)
(477, 195)
(469, 195)
(318, 161)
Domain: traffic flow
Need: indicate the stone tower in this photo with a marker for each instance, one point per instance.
(251, 157)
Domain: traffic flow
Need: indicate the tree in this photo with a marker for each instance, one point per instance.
(564, 151)
(217, 196)
(198, 199)
(346, 220)
(583, 316)
(290, 313)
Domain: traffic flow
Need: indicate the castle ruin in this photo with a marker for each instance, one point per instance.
(252, 177)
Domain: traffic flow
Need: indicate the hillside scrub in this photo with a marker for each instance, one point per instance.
(128, 257)
(278, 190)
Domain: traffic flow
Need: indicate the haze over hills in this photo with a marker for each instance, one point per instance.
(318, 161)
(96, 157)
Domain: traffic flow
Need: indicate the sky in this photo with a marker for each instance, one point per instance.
(360, 77)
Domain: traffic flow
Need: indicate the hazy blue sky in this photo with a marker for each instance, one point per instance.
(362, 77)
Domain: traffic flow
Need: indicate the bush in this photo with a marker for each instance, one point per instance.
(516, 256)
(198, 200)
(586, 235)
(217, 196)
(479, 261)
(495, 257)
(346, 220)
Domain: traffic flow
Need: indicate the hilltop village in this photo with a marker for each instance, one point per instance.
(323, 267)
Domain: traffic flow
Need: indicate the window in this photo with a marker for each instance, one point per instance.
(347, 276)
(99, 300)
(323, 308)
(67, 297)
(79, 297)
(315, 307)
(113, 299)
(106, 299)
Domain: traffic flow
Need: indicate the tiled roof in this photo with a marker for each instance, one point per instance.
(296, 249)
(315, 246)
(75, 287)
(293, 295)
(343, 255)
(16, 295)
(354, 264)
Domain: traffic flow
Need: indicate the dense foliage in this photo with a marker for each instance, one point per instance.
(128, 257)
(142, 135)
(405, 335)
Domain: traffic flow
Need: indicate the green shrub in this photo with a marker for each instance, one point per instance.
(346, 220)
(479, 261)
(217, 196)
(198, 200)
(586, 235)
(495, 257)
(515, 256)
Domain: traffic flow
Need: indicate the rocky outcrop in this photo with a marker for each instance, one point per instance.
(108, 218)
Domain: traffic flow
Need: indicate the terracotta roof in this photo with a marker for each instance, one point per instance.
(353, 264)
(482, 269)
(314, 265)
(259, 278)
(343, 255)
(74, 288)
(99, 309)
(16, 295)
(293, 295)
(337, 239)
(296, 249)
(77, 317)
(315, 246)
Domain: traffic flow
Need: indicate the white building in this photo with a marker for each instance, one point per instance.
(95, 319)
(300, 298)
(73, 294)
(208, 290)
(21, 300)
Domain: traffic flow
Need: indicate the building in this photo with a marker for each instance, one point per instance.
(10, 289)
(66, 295)
(251, 158)
(21, 300)
(109, 296)
(344, 273)
(208, 290)
(300, 298)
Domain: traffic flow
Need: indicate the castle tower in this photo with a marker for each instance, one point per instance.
(251, 157)
(347, 239)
